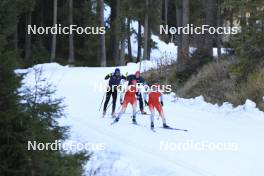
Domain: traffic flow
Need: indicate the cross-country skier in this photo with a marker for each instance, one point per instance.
(155, 101)
(129, 98)
(140, 80)
(114, 81)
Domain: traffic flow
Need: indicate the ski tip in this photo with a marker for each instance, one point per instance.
(112, 123)
(176, 129)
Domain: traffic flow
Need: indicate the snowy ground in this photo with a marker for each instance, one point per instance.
(137, 151)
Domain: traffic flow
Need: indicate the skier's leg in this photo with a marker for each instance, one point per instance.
(141, 107)
(152, 114)
(114, 96)
(124, 105)
(134, 106)
(108, 95)
(161, 113)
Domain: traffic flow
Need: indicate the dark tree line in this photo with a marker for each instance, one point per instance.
(110, 48)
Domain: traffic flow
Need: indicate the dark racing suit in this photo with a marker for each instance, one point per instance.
(114, 81)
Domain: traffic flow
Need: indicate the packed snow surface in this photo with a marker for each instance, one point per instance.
(221, 140)
(131, 150)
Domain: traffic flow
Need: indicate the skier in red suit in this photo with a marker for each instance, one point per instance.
(130, 98)
(155, 101)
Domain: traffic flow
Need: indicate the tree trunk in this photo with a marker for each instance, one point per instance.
(71, 58)
(185, 22)
(129, 49)
(219, 23)
(28, 37)
(166, 11)
(102, 54)
(122, 51)
(179, 43)
(117, 34)
(146, 28)
(54, 37)
(16, 37)
(149, 43)
(211, 14)
(42, 23)
(139, 38)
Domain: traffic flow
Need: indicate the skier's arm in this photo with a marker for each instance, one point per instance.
(121, 98)
(143, 81)
(108, 76)
(161, 99)
(129, 77)
(123, 77)
(145, 95)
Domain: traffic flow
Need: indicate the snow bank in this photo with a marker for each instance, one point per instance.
(247, 110)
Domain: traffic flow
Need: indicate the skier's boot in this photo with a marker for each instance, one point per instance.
(143, 112)
(165, 126)
(152, 125)
(104, 112)
(134, 120)
(116, 120)
(113, 114)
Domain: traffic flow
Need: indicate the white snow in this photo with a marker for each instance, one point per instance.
(136, 151)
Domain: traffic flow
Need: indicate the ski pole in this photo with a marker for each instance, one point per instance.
(119, 108)
(102, 102)
(109, 105)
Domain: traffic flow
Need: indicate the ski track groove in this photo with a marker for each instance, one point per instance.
(145, 149)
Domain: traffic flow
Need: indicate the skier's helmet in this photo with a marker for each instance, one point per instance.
(134, 82)
(117, 71)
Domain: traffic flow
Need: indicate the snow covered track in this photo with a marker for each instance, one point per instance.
(137, 151)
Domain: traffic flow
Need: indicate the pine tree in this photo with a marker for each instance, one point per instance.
(28, 114)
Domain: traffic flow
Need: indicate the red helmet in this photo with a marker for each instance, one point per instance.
(137, 73)
(156, 85)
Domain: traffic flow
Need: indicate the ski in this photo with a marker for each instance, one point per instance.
(109, 116)
(137, 124)
(144, 126)
(115, 121)
(152, 129)
(176, 129)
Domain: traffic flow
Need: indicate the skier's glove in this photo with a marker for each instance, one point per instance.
(146, 103)
(161, 103)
